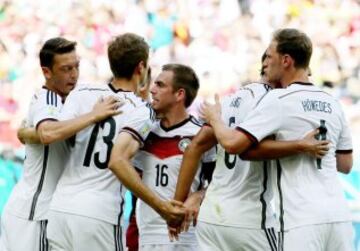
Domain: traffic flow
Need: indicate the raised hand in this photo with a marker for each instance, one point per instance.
(107, 107)
(313, 147)
(209, 112)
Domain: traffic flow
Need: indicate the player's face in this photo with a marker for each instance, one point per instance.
(272, 64)
(64, 73)
(163, 95)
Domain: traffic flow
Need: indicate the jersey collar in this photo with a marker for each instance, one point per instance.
(180, 124)
(62, 98)
(300, 83)
(116, 90)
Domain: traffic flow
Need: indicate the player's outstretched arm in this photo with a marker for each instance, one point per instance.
(202, 142)
(272, 149)
(120, 164)
(52, 131)
(344, 162)
(232, 140)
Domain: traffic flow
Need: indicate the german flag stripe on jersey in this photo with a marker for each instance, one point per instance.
(163, 147)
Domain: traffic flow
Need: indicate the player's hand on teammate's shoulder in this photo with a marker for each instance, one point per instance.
(107, 107)
(313, 147)
(210, 112)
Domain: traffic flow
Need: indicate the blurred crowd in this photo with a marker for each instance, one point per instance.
(222, 39)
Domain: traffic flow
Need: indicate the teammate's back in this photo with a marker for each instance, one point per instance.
(86, 179)
(305, 181)
(240, 189)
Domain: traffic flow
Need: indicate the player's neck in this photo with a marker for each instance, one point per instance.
(124, 84)
(50, 86)
(299, 75)
(174, 117)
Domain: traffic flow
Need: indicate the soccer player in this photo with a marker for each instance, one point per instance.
(311, 207)
(132, 231)
(26, 211)
(172, 93)
(86, 211)
(236, 213)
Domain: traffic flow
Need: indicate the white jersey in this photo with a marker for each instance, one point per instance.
(43, 164)
(87, 187)
(306, 195)
(240, 192)
(160, 161)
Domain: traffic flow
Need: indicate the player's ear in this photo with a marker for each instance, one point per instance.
(287, 60)
(141, 68)
(181, 94)
(46, 72)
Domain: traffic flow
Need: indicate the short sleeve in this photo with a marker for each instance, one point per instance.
(140, 122)
(264, 120)
(344, 144)
(46, 106)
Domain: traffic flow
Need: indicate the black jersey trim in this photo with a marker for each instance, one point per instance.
(251, 137)
(117, 90)
(152, 112)
(195, 121)
(290, 93)
(91, 89)
(180, 124)
(207, 170)
(262, 198)
(51, 98)
(281, 204)
(48, 97)
(267, 87)
(41, 183)
(280, 241)
(273, 236)
(270, 238)
(44, 244)
(135, 134)
(301, 83)
(344, 151)
(43, 120)
(119, 234)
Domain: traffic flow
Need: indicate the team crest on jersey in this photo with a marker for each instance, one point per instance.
(51, 110)
(183, 144)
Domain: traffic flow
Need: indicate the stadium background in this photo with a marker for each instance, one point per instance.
(222, 39)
